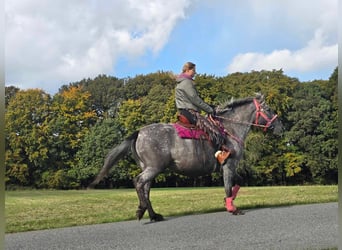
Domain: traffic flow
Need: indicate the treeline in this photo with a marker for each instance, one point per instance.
(60, 141)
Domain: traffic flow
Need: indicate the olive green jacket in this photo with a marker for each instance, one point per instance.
(187, 96)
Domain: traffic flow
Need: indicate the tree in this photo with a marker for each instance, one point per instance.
(314, 129)
(102, 137)
(69, 121)
(60, 141)
(27, 136)
(10, 92)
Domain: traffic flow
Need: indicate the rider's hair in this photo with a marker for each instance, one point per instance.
(188, 66)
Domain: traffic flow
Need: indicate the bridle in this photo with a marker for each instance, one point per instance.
(260, 112)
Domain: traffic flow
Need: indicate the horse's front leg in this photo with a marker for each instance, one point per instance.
(231, 188)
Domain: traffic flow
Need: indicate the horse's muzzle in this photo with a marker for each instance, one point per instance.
(277, 127)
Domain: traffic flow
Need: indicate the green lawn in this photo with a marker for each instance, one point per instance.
(45, 209)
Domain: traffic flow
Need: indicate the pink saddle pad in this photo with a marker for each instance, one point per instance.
(188, 133)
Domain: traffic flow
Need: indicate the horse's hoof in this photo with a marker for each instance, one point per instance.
(140, 213)
(157, 217)
(238, 212)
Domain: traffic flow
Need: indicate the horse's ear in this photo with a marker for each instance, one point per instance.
(260, 96)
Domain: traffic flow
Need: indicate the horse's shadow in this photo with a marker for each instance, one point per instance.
(240, 212)
(176, 217)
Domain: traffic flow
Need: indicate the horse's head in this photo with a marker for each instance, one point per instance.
(251, 111)
(266, 117)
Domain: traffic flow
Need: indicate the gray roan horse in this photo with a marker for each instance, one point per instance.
(156, 147)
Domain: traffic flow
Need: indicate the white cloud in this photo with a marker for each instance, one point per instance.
(314, 56)
(49, 43)
(316, 24)
(57, 42)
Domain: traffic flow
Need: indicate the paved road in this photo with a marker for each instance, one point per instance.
(292, 227)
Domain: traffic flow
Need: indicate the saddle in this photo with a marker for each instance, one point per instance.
(184, 121)
(187, 130)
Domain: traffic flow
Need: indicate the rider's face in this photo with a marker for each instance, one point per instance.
(192, 72)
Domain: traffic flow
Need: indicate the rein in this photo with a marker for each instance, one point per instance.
(259, 112)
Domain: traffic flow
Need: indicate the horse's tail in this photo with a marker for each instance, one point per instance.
(114, 156)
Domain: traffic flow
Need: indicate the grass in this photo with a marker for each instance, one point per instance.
(47, 209)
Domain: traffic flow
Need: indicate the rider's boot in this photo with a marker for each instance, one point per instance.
(222, 156)
(229, 204)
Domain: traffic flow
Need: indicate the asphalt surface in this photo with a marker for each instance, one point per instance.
(293, 227)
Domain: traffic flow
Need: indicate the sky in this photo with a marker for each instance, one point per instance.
(51, 43)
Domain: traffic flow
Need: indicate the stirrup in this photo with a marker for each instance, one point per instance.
(222, 156)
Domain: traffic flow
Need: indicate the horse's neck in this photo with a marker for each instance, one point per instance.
(239, 122)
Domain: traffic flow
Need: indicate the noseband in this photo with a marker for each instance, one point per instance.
(260, 112)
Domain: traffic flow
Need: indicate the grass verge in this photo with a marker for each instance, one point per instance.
(47, 209)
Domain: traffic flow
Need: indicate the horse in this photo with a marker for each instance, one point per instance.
(158, 146)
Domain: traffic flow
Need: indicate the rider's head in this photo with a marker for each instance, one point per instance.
(189, 68)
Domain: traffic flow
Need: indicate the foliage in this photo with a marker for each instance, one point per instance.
(60, 141)
(102, 137)
(27, 132)
(43, 136)
(313, 121)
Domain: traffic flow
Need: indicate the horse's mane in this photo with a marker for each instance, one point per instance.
(231, 104)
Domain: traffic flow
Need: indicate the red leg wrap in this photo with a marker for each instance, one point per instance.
(229, 204)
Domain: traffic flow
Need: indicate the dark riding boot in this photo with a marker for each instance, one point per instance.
(226, 148)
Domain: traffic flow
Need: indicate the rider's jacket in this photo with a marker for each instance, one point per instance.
(187, 96)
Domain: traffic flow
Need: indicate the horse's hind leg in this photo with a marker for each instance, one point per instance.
(143, 185)
(153, 215)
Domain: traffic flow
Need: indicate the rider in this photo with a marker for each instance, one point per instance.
(189, 104)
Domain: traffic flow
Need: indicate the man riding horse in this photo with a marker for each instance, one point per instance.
(189, 104)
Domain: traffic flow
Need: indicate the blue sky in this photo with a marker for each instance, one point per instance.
(50, 43)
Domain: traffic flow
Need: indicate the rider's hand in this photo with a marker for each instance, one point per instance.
(214, 111)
